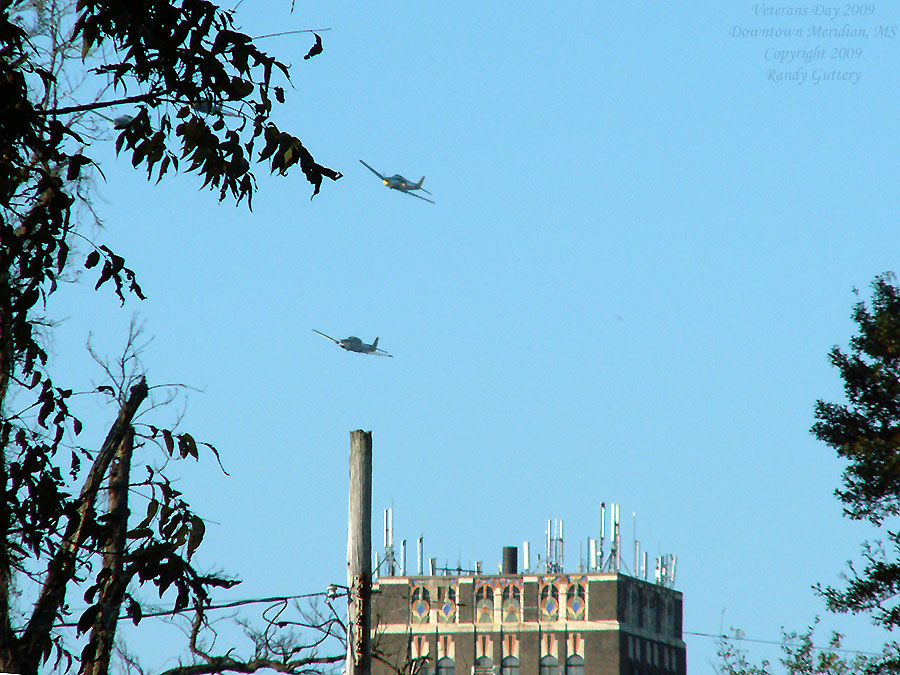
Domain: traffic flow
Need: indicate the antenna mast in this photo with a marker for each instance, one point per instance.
(389, 561)
(554, 562)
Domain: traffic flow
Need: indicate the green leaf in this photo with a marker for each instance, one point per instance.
(134, 611)
(87, 620)
(152, 508)
(187, 446)
(198, 529)
(170, 443)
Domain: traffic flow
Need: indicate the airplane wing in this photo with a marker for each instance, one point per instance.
(424, 190)
(372, 170)
(413, 194)
(381, 352)
(337, 342)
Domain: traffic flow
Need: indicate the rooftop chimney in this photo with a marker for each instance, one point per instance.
(510, 560)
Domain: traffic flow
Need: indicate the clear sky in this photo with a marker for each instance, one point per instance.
(643, 247)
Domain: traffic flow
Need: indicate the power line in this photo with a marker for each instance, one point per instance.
(735, 638)
(225, 605)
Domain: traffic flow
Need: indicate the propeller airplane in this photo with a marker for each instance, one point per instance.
(398, 182)
(354, 344)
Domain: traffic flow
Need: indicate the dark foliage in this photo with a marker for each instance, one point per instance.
(316, 49)
(801, 657)
(203, 93)
(866, 432)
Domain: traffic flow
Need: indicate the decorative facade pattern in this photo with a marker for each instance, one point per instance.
(520, 624)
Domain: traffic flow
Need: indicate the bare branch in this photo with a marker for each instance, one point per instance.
(104, 631)
(151, 97)
(62, 566)
(227, 664)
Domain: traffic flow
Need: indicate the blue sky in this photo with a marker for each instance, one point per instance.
(641, 252)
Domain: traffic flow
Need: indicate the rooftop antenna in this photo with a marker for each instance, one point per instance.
(619, 540)
(554, 561)
(420, 549)
(526, 554)
(616, 537)
(602, 535)
(403, 558)
(559, 562)
(665, 570)
(549, 558)
(636, 544)
(610, 564)
(592, 554)
(391, 563)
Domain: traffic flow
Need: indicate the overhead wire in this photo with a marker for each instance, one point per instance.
(779, 643)
(284, 598)
(225, 605)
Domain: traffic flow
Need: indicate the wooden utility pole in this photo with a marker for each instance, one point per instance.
(359, 555)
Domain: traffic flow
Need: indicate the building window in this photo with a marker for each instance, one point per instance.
(509, 666)
(548, 666)
(419, 605)
(575, 665)
(484, 604)
(575, 601)
(549, 602)
(445, 666)
(631, 606)
(665, 616)
(446, 607)
(483, 666)
(511, 603)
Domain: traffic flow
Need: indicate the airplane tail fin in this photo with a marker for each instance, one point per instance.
(375, 344)
(418, 186)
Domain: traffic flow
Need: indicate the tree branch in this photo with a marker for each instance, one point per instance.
(223, 664)
(104, 631)
(149, 97)
(61, 567)
(7, 637)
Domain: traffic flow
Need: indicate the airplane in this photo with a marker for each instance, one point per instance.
(354, 344)
(398, 182)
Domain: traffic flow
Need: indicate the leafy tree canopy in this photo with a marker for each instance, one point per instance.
(201, 93)
(865, 430)
(801, 656)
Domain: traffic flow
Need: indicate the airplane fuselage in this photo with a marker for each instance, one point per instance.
(354, 344)
(398, 182)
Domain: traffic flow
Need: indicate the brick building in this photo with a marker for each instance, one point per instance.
(595, 623)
